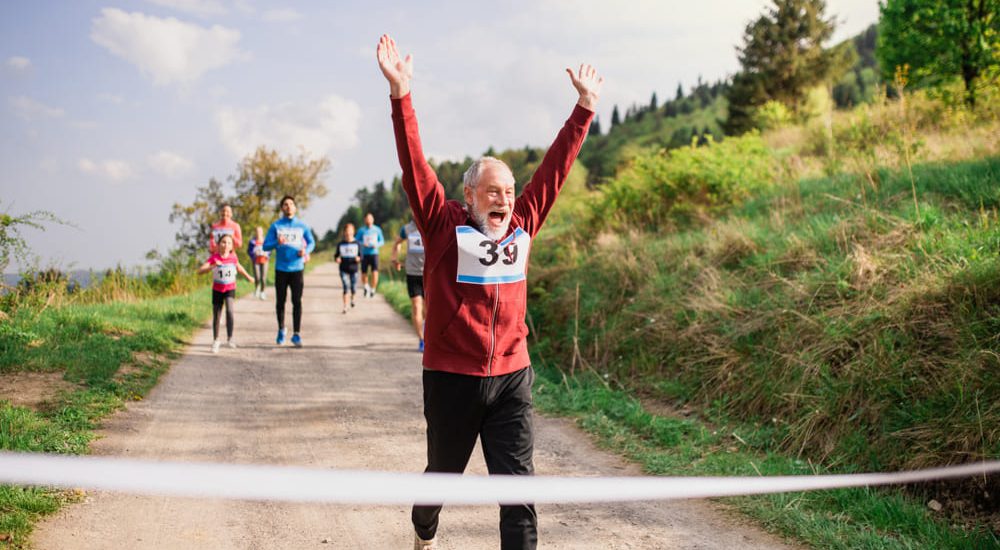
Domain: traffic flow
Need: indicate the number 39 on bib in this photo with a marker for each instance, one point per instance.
(483, 261)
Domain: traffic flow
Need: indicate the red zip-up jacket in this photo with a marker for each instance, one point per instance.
(477, 329)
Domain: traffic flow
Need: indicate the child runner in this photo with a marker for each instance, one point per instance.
(293, 240)
(224, 266)
(225, 226)
(347, 255)
(371, 239)
(259, 257)
(414, 273)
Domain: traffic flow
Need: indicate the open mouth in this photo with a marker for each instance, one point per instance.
(497, 216)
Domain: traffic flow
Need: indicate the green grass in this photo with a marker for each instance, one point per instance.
(112, 353)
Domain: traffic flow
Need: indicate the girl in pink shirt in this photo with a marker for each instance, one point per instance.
(224, 267)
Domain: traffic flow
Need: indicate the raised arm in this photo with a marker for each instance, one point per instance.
(423, 191)
(540, 193)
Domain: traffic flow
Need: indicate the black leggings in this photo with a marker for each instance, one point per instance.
(283, 280)
(218, 300)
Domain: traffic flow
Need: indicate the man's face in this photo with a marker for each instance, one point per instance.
(492, 201)
(227, 213)
(349, 232)
(288, 207)
(369, 220)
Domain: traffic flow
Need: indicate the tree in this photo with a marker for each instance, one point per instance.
(680, 92)
(653, 105)
(615, 117)
(782, 56)
(13, 245)
(262, 178)
(940, 40)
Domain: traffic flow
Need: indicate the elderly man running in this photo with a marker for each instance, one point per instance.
(477, 376)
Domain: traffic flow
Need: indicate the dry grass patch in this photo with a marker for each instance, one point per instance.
(32, 389)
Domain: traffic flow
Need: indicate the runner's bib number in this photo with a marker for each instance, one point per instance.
(291, 236)
(371, 240)
(483, 261)
(218, 233)
(224, 274)
(414, 243)
(349, 251)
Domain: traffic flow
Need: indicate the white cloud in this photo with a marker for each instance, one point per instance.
(28, 108)
(319, 129)
(19, 63)
(170, 164)
(282, 15)
(201, 8)
(166, 49)
(117, 99)
(114, 170)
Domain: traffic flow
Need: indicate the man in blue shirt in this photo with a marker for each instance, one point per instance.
(371, 238)
(292, 240)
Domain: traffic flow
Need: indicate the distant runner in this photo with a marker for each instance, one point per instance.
(414, 274)
(371, 240)
(224, 266)
(348, 255)
(260, 258)
(292, 240)
(477, 376)
(225, 226)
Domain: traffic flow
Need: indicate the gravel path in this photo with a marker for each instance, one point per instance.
(350, 398)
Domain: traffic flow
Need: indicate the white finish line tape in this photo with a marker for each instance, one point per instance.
(296, 484)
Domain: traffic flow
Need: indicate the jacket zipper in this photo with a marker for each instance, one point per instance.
(493, 330)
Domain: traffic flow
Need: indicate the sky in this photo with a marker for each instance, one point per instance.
(112, 111)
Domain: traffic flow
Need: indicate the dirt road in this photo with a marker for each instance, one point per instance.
(350, 398)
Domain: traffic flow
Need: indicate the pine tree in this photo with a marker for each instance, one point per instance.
(615, 117)
(680, 92)
(653, 103)
(595, 127)
(782, 56)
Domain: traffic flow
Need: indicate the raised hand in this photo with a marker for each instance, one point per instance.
(397, 71)
(588, 83)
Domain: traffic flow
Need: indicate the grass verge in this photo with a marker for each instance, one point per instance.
(110, 353)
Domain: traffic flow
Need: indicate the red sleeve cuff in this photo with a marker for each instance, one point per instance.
(401, 105)
(581, 116)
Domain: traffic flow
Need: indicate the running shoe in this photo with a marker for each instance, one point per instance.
(263, 295)
(421, 348)
(297, 340)
(281, 336)
(421, 544)
(344, 311)
(215, 346)
(352, 301)
(231, 344)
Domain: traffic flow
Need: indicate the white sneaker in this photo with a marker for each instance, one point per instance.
(215, 346)
(231, 344)
(263, 295)
(421, 544)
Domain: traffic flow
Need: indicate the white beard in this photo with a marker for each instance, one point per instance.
(483, 221)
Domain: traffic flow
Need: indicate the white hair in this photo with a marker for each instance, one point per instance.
(472, 175)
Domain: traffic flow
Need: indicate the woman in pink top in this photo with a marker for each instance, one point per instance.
(226, 226)
(224, 266)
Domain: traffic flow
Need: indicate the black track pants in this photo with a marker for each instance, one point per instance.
(283, 280)
(498, 410)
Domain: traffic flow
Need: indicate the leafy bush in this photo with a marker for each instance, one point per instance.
(772, 115)
(666, 187)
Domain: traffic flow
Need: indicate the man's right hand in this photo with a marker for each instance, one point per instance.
(397, 71)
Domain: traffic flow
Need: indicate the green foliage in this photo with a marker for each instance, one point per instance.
(783, 56)
(772, 115)
(660, 189)
(940, 40)
(13, 246)
(667, 445)
(262, 178)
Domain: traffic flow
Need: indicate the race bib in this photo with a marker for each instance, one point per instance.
(371, 240)
(349, 251)
(483, 261)
(224, 274)
(218, 233)
(292, 236)
(414, 243)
